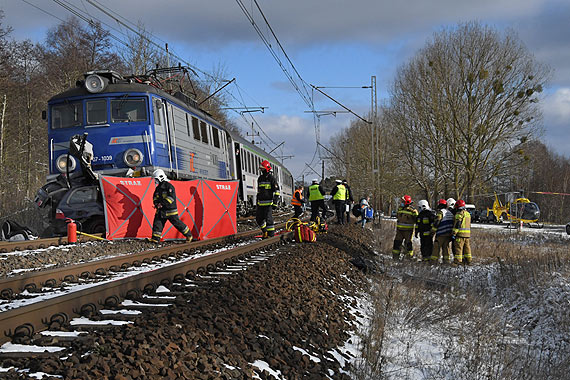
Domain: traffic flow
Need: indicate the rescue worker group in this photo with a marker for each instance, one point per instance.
(450, 225)
(443, 233)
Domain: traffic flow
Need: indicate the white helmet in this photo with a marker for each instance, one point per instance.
(423, 205)
(159, 176)
(450, 203)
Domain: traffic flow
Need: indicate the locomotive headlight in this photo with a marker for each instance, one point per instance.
(63, 161)
(133, 157)
(94, 83)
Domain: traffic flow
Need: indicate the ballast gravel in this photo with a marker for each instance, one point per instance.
(289, 312)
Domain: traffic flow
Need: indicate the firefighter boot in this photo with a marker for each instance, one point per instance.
(188, 238)
(264, 235)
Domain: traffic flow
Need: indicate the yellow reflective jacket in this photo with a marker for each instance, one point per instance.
(339, 194)
(406, 218)
(462, 225)
(315, 193)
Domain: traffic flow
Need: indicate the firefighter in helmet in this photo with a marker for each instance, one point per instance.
(424, 222)
(406, 221)
(267, 199)
(461, 234)
(164, 201)
(441, 228)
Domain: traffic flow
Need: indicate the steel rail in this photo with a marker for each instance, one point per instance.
(40, 315)
(23, 245)
(31, 281)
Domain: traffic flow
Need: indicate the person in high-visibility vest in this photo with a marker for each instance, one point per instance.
(297, 201)
(461, 234)
(339, 199)
(406, 221)
(267, 199)
(317, 199)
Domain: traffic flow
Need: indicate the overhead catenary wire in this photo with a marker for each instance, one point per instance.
(301, 88)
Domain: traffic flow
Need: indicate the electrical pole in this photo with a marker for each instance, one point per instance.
(2, 132)
(375, 140)
(253, 134)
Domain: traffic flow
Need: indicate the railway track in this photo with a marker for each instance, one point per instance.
(23, 245)
(161, 266)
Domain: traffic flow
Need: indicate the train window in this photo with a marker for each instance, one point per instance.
(204, 130)
(188, 125)
(249, 162)
(242, 160)
(128, 110)
(216, 137)
(195, 129)
(157, 106)
(67, 115)
(96, 112)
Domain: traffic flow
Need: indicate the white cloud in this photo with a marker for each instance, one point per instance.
(557, 107)
(557, 121)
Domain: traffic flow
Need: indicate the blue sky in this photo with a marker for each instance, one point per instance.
(334, 43)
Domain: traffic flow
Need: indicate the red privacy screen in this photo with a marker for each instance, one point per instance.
(207, 207)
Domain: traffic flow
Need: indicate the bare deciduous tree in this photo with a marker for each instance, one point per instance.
(463, 105)
(141, 55)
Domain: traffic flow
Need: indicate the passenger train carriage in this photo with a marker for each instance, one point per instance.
(135, 127)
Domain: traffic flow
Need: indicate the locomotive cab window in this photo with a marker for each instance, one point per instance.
(96, 112)
(67, 115)
(157, 106)
(128, 110)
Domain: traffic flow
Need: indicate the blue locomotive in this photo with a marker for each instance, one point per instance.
(132, 126)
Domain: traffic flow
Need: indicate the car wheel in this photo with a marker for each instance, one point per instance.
(95, 226)
(568, 228)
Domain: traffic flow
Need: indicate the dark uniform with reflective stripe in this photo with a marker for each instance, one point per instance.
(406, 221)
(164, 200)
(267, 197)
(424, 222)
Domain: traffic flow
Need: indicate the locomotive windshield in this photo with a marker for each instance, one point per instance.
(67, 115)
(96, 112)
(128, 110)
